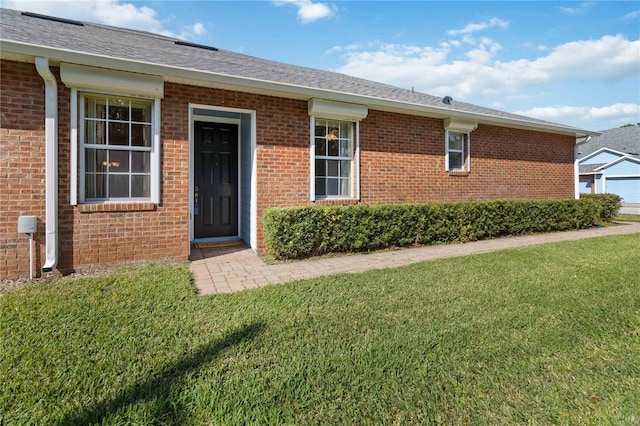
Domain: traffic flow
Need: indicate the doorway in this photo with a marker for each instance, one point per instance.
(215, 180)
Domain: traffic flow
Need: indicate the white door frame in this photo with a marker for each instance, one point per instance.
(193, 117)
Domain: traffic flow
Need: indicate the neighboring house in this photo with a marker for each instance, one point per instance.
(131, 146)
(610, 163)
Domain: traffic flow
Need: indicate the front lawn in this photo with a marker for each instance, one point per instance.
(547, 334)
(628, 217)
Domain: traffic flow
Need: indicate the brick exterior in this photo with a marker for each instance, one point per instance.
(402, 160)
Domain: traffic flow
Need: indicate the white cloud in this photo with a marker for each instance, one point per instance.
(109, 12)
(309, 11)
(479, 72)
(600, 118)
(582, 8)
(474, 27)
(199, 29)
(632, 15)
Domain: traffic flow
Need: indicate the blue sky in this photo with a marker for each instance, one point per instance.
(575, 63)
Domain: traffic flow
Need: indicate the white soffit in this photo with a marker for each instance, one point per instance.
(110, 81)
(337, 110)
(455, 124)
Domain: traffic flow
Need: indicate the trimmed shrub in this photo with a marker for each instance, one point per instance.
(609, 205)
(295, 232)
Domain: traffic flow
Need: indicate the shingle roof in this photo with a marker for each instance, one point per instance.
(138, 46)
(589, 168)
(622, 139)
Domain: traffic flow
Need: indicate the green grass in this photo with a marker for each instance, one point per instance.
(628, 217)
(540, 335)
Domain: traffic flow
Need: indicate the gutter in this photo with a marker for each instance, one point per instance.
(211, 79)
(51, 163)
(576, 166)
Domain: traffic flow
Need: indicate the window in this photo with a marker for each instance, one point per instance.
(333, 146)
(456, 152)
(117, 142)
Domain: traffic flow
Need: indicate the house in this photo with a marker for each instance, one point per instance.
(129, 146)
(610, 163)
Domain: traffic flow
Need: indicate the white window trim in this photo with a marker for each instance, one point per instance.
(460, 126)
(78, 146)
(466, 152)
(355, 162)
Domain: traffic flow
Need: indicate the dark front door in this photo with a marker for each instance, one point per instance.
(215, 204)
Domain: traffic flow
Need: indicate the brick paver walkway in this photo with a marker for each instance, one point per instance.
(236, 268)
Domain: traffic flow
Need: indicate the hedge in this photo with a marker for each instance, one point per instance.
(609, 204)
(296, 232)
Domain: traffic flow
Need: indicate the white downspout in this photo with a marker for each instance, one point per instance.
(51, 164)
(576, 166)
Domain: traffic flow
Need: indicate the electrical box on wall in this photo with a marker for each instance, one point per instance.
(27, 224)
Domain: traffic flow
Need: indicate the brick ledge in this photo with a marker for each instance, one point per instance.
(116, 207)
(462, 174)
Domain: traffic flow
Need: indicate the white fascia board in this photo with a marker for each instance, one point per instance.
(211, 79)
(618, 160)
(601, 150)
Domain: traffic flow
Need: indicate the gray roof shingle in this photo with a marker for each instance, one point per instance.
(138, 46)
(622, 139)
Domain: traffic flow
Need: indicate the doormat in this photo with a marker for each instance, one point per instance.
(217, 244)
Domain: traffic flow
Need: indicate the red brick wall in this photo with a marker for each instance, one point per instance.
(86, 238)
(282, 139)
(22, 164)
(402, 160)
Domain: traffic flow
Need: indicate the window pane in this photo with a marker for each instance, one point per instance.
(141, 112)
(95, 186)
(95, 108)
(140, 186)
(344, 187)
(118, 133)
(320, 129)
(345, 148)
(334, 145)
(320, 187)
(140, 135)
(118, 109)
(455, 141)
(321, 169)
(140, 162)
(94, 132)
(345, 130)
(119, 161)
(332, 168)
(332, 187)
(119, 186)
(95, 160)
(321, 146)
(455, 160)
(345, 168)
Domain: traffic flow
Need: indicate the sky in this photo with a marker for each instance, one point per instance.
(570, 62)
